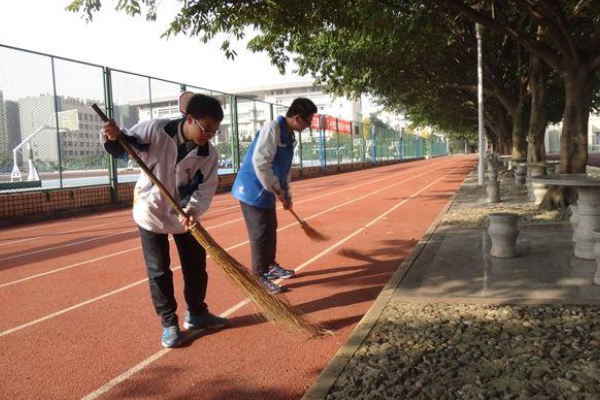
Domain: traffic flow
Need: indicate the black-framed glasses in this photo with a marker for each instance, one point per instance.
(207, 132)
(305, 119)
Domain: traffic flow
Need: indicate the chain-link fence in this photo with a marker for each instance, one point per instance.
(49, 135)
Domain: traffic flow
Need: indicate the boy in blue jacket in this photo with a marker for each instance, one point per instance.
(263, 178)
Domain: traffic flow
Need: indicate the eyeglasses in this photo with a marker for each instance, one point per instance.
(309, 123)
(204, 131)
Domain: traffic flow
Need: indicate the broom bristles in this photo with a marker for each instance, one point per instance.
(312, 233)
(275, 309)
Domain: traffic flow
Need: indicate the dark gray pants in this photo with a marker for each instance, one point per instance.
(155, 247)
(261, 224)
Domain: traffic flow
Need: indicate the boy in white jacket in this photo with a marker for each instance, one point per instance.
(180, 155)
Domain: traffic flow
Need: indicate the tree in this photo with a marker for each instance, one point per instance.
(569, 43)
(404, 52)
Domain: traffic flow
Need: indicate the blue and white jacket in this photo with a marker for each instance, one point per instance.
(189, 172)
(266, 166)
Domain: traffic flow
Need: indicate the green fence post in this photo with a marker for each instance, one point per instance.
(112, 162)
(322, 147)
(299, 145)
(337, 135)
(373, 145)
(235, 140)
(56, 110)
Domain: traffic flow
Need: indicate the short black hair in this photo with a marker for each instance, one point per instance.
(303, 107)
(201, 106)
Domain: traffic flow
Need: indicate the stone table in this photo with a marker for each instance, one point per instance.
(588, 191)
(505, 160)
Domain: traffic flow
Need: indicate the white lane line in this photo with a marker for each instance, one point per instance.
(61, 246)
(50, 225)
(215, 226)
(68, 267)
(156, 356)
(76, 306)
(56, 234)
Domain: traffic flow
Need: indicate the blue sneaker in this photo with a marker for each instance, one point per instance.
(271, 287)
(278, 272)
(205, 321)
(171, 336)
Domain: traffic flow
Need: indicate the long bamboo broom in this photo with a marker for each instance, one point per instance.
(310, 232)
(275, 309)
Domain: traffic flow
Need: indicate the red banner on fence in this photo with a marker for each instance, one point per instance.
(332, 124)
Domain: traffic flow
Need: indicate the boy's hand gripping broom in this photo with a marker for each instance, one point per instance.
(274, 308)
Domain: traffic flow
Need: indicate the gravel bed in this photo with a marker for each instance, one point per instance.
(478, 352)
(477, 215)
(470, 208)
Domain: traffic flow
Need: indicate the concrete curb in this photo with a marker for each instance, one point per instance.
(327, 378)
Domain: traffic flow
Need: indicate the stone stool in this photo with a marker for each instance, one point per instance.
(596, 251)
(503, 232)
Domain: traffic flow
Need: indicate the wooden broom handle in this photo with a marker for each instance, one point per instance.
(296, 216)
(142, 165)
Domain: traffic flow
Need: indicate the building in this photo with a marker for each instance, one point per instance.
(168, 107)
(283, 94)
(80, 139)
(253, 108)
(78, 127)
(252, 112)
(553, 132)
(13, 124)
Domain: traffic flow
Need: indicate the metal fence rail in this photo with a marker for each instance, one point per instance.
(49, 135)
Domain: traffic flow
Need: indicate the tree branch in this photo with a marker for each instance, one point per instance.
(551, 57)
(543, 15)
(563, 28)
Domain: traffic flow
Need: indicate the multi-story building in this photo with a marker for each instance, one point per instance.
(284, 94)
(80, 138)
(168, 107)
(37, 118)
(252, 114)
(13, 123)
(253, 109)
(78, 127)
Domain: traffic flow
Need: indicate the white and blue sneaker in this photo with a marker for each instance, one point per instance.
(171, 336)
(205, 321)
(278, 272)
(271, 287)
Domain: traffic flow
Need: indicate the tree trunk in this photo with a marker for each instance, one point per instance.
(498, 121)
(573, 139)
(538, 120)
(505, 138)
(519, 132)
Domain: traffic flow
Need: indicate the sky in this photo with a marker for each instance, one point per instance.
(132, 44)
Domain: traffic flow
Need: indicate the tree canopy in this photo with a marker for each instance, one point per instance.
(419, 57)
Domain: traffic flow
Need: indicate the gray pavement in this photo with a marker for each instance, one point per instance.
(456, 264)
(504, 328)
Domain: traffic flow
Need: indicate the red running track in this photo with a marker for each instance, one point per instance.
(77, 323)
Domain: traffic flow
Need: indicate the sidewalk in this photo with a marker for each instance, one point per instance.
(454, 323)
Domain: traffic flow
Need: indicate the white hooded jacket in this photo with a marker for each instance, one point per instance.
(192, 181)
